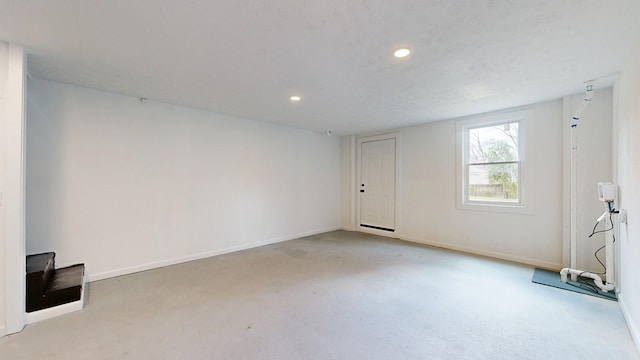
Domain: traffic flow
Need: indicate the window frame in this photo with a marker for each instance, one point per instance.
(525, 204)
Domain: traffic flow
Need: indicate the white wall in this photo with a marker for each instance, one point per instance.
(348, 183)
(428, 212)
(4, 73)
(628, 176)
(124, 186)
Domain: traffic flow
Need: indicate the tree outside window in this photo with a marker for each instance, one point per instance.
(493, 163)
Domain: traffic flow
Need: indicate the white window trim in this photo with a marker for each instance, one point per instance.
(526, 185)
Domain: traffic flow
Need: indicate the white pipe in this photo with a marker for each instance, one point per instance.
(596, 279)
(588, 96)
(573, 219)
(573, 207)
(609, 249)
(573, 194)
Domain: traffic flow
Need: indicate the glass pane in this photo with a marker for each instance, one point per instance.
(495, 143)
(498, 183)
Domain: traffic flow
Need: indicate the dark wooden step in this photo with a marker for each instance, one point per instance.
(65, 286)
(47, 286)
(40, 270)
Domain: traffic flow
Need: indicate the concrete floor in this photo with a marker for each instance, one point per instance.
(339, 295)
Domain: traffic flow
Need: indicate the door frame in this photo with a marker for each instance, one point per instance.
(360, 140)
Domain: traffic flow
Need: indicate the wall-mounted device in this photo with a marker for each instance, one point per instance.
(607, 191)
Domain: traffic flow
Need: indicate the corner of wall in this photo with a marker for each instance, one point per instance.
(348, 181)
(627, 128)
(566, 199)
(631, 324)
(4, 50)
(12, 176)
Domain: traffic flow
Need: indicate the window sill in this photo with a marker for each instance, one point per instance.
(497, 208)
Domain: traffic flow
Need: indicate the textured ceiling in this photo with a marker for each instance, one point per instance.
(246, 57)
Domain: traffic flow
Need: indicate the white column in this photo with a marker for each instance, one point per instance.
(12, 139)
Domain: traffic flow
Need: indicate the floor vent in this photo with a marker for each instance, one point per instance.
(378, 228)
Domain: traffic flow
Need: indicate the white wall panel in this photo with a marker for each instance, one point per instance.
(124, 185)
(628, 175)
(428, 200)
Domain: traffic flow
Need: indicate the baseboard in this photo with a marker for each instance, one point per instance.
(633, 327)
(492, 254)
(59, 310)
(203, 255)
(55, 311)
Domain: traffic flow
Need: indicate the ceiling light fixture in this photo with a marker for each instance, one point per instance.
(400, 53)
(295, 98)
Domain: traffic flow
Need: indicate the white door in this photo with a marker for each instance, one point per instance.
(378, 184)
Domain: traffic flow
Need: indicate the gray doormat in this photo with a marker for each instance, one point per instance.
(583, 285)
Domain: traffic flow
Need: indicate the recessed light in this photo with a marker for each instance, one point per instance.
(295, 98)
(400, 53)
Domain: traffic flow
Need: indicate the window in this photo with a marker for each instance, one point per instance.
(493, 165)
(492, 169)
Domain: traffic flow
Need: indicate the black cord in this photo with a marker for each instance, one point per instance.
(600, 261)
(587, 286)
(581, 281)
(593, 232)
